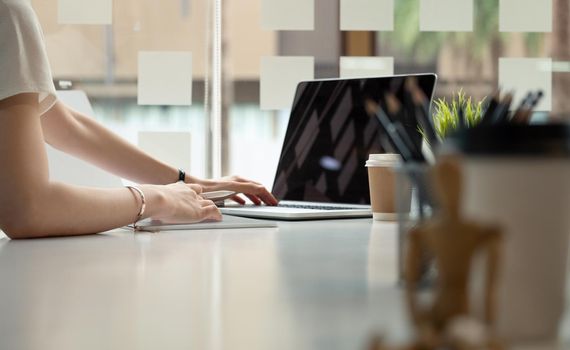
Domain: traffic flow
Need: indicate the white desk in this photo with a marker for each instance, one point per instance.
(305, 285)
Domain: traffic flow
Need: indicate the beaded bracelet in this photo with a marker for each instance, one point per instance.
(143, 205)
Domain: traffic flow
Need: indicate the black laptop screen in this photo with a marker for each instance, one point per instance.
(330, 136)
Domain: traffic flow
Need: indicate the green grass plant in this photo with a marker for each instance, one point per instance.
(446, 114)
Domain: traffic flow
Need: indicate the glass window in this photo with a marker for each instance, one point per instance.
(151, 68)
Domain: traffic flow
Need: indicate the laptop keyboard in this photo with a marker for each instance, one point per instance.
(316, 207)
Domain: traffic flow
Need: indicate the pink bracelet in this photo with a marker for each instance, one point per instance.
(143, 205)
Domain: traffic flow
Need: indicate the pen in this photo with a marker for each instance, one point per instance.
(416, 152)
(400, 146)
(423, 117)
(519, 115)
(501, 113)
(487, 116)
(532, 105)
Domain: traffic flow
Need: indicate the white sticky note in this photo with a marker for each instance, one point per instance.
(165, 78)
(522, 75)
(375, 15)
(172, 148)
(85, 11)
(279, 78)
(361, 67)
(446, 15)
(525, 15)
(288, 14)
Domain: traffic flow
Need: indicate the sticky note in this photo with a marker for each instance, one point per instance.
(85, 11)
(446, 15)
(374, 15)
(358, 67)
(525, 15)
(522, 75)
(279, 78)
(288, 14)
(170, 147)
(165, 78)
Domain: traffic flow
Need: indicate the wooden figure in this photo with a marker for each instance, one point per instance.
(452, 241)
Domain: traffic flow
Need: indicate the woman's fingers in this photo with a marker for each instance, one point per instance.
(211, 212)
(253, 198)
(259, 191)
(238, 200)
(196, 188)
(256, 192)
(206, 203)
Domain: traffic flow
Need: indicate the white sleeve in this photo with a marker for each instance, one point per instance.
(24, 66)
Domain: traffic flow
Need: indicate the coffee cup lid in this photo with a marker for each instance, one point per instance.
(383, 160)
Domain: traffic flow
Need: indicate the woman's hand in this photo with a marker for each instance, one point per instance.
(255, 191)
(182, 203)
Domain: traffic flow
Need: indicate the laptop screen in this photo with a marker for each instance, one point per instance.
(330, 136)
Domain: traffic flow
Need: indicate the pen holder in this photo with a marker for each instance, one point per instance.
(516, 178)
(414, 177)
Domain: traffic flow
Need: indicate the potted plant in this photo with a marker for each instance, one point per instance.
(461, 111)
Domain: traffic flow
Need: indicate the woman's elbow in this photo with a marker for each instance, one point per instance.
(18, 222)
(19, 230)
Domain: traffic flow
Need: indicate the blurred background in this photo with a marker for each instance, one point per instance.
(147, 65)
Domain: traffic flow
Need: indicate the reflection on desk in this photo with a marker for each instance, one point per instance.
(303, 285)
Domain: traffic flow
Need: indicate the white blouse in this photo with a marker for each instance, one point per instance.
(24, 66)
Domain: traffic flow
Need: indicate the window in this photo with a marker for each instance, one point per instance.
(147, 65)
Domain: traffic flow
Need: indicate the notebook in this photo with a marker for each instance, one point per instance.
(321, 172)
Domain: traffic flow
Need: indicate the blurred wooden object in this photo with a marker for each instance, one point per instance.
(453, 242)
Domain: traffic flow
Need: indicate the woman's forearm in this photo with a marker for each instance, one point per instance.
(83, 137)
(62, 210)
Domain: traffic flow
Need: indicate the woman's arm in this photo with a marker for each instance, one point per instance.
(81, 136)
(32, 206)
(74, 133)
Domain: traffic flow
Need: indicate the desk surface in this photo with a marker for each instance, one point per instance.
(304, 285)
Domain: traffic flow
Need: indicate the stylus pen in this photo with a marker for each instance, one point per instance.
(422, 114)
(536, 99)
(395, 138)
(501, 114)
(416, 152)
(487, 116)
(527, 114)
(518, 115)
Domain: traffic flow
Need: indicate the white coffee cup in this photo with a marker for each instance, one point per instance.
(382, 181)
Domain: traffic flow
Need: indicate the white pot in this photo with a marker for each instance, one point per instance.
(529, 197)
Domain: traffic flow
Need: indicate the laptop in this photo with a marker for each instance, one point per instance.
(321, 173)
